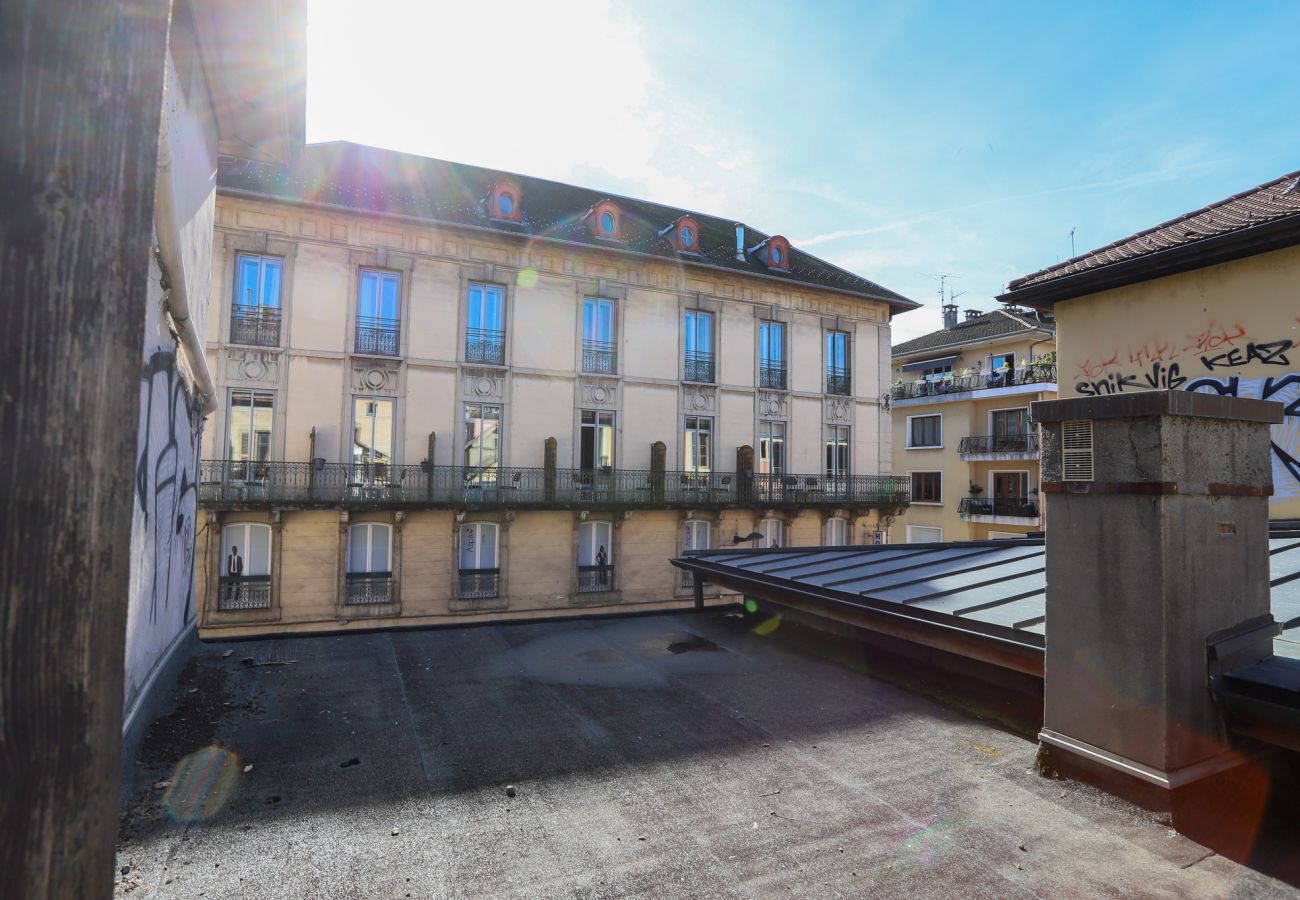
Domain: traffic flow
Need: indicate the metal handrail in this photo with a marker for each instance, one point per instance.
(256, 325)
(378, 335)
(485, 345)
(599, 357)
(595, 579)
(999, 443)
(477, 584)
(228, 482)
(238, 592)
(995, 506)
(771, 374)
(979, 381)
(838, 381)
(699, 367)
(368, 588)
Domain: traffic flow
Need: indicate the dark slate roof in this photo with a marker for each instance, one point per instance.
(994, 324)
(385, 182)
(1269, 202)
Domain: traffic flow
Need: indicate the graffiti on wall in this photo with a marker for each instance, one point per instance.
(1203, 361)
(166, 486)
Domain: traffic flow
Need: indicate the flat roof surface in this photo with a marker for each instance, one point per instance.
(664, 756)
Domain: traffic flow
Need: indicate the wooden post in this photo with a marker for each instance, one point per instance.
(80, 114)
(550, 458)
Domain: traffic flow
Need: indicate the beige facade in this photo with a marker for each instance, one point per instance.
(963, 438)
(325, 382)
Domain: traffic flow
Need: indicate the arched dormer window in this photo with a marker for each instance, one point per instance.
(503, 201)
(606, 220)
(776, 253)
(685, 234)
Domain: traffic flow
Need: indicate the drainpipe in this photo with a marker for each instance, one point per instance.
(168, 234)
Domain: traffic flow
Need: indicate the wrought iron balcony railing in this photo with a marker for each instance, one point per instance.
(256, 325)
(478, 584)
(485, 345)
(599, 357)
(999, 443)
(239, 592)
(595, 579)
(223, 482)
(980, 381)
(378, 336)
(699, 367)
(837, 382)
(771, 374)
(368, 588)
(997, 506)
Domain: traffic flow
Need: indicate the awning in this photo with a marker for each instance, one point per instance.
(929, 363)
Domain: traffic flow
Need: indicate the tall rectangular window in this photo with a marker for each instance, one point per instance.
(378, 316)
(697, 444)
(695, 536)
(837, 363)
(482, 440)
(927, 487)
(598, 347)
(251, 417)
(255, 314)
(479, 575)
(596, 447)
(771, 355)
(697, 336)
(1010, 423)
(485, 316)
(771, 448)
(372, 439)
(924, 431)
(837, 451)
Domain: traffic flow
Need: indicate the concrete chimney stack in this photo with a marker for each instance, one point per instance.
(950, 315)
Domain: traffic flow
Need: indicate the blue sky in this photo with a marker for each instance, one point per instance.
(897, 139)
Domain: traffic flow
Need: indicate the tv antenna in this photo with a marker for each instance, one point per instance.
(945, 291)
(1072, 228)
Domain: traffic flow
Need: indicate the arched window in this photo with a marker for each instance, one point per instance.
(695, 536)
(245, 581)
(837, 532)
(479, 575)
(595, 557)
(773, 531)
(503, 201)
(606, 220)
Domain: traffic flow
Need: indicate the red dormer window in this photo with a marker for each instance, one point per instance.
(503, 201)
(606, 220)
(776, 253)
(685, 235)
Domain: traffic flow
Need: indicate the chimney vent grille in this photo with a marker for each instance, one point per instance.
(1076, 442)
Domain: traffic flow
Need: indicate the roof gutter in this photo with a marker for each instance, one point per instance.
(895, 306)
(1275, 235)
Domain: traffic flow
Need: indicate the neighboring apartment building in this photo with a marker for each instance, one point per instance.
(212, 103)
(962, 434)
(448, 392)
(1209, 301)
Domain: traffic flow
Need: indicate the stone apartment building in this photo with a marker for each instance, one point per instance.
(962, 434)
(449, 392)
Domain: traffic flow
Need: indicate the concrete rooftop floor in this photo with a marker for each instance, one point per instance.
(663, 756)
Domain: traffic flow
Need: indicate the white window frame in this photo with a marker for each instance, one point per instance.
(771, 528)
(842, 524)
(480, 529)
(368, 529)
(929, 528)
(596, 526)
(908, 433)
(246, 530)
(942, 490)
(689, 537)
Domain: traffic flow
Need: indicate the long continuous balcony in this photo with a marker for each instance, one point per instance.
(980, 381)
(378, 336)
(837, 382)
(999, 446)
(771, 374)
(972, 508)
(485, 345)
(256, 325)
(599, 357)
(699, 367)
(236, 484)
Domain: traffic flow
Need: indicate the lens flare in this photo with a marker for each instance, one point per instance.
(751, 605)
(924, 846)
(768, 625)
(201, 784)
(527, 277)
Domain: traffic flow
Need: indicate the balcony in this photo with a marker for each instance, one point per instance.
(999, 447)
(236, 593)
(255, 325)
(838, 383)
(999, 510)
(378, 336)
(948, 386)
(699, 367)
(478, 584)
(368, 589)
(771, 375)
(485, 345)
(228, 484)
(595, 579)
(598, 357)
